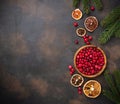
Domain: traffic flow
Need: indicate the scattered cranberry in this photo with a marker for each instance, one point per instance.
(76, 42)
(88, 43)
(75, 24)
(92, 8)
(70, 67)
(79, 91)
(71, 73)
(90, 37)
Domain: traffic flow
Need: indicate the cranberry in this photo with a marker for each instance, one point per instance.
(88, 43)
(76, 42)
(92, 8)
(86, 40)
(79, 89)
(71, 73)
(90, 37)
(70, 67)
(80, 92)
(75, 24)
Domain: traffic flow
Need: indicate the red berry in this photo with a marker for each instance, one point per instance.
(72, 70)
(79, 89)
(92, 8)
(70, 67)
(85, 39)
(88, 43)
(80, 92)
(76, 42)
(71, 73)
(75, 24)
(90, 37)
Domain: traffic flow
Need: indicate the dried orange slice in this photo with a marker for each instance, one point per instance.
(91, 23)
(76, 14)
(81, 32)
(76, 80)
(92, 88)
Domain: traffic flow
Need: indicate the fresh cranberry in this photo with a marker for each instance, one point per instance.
(75, 24)
(92, 8)
(76, 42)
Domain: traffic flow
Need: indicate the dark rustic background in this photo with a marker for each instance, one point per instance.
(36, 47)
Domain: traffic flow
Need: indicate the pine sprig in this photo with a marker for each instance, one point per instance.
(76, 3)
(109, 32)
(113, 82)
(117, 33)
(98, 4)
(86, 7)
(111, 17)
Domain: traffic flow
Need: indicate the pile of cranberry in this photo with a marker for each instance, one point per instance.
(89, 60)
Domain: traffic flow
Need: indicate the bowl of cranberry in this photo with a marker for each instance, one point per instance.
(90, 61)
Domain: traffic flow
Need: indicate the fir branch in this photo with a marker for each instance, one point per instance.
(109, 32)
(110, 96)
(114, 93)
(111, 84)
(117, 33)
(86, 6)
(117, 79)
(111, 17)
(76, 3)
(98, 4)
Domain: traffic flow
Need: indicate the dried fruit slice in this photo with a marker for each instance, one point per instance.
(76, 14)
(91, 23)
(81, 32)
(92, 88)
(76, 80)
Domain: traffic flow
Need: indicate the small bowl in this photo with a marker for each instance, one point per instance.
(98, 73)
(92, 88)
(76, 80)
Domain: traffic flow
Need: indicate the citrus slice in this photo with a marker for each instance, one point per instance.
(76, 80)
(76, 14)
(81, 32)
(92, 88)
(91, 23)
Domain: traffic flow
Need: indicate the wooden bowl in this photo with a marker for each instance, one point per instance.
(92, 88)
(93, 75)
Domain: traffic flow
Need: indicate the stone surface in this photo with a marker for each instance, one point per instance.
(36, 47)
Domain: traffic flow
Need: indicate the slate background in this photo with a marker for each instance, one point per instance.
(36, 47)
